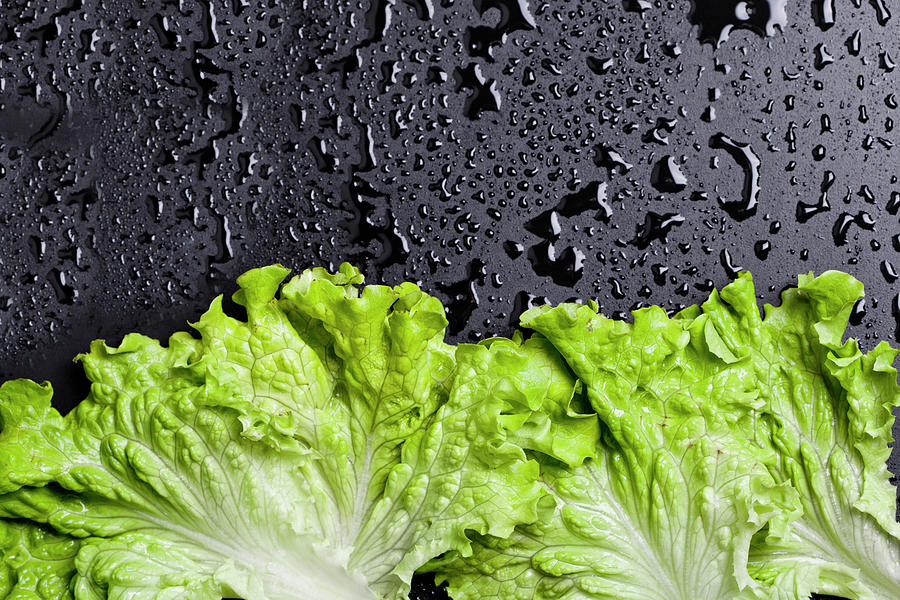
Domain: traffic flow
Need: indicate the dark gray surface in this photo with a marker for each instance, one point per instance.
(498, 152)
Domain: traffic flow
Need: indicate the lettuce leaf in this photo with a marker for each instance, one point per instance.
(740, 457)
(669, 504)
(331, 443)
(328, 445)
(35, 563)
(826, 419)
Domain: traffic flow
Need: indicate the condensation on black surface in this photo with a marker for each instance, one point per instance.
(501, 153)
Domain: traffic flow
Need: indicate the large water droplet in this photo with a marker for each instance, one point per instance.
(748, 160)
(718, 18)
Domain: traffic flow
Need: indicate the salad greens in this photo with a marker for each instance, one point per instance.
(669, 506)
(826, 425)
(741, 457)
(327, 447)
(35, 563)
(332, 443)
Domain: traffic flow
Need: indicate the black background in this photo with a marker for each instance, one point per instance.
(498, 152)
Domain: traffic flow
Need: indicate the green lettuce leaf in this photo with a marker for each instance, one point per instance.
(669, 504)
(35, 563)
(325, 447)
(741, 457)
(553, 417)
(331, 443)
(827, 419)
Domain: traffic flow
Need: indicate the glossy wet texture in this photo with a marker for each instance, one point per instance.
(502, 153)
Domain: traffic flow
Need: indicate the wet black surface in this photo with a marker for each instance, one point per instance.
(499, 152)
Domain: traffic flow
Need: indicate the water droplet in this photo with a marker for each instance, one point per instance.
(591, 198)
(60, 282)
(483, 95)
(616, 288)
(600, 66)
(513, 249)
(819, 152)
(842, 225)
(514, 16)
(883, 14)
(545, 225)
(667, 176)
(854, 43)
(608, 157)
(748, 160)
(858, 313)
(823, 58)
(638, 6)
(805, 211)
(659, 274)
(718, 18)
(564, 268)
(823, 13)
(655, 227)
(463, 296)
(893, 205)
(762, 248)
(38, 247)
(727, 262)
(888, 271)
(895, 311)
